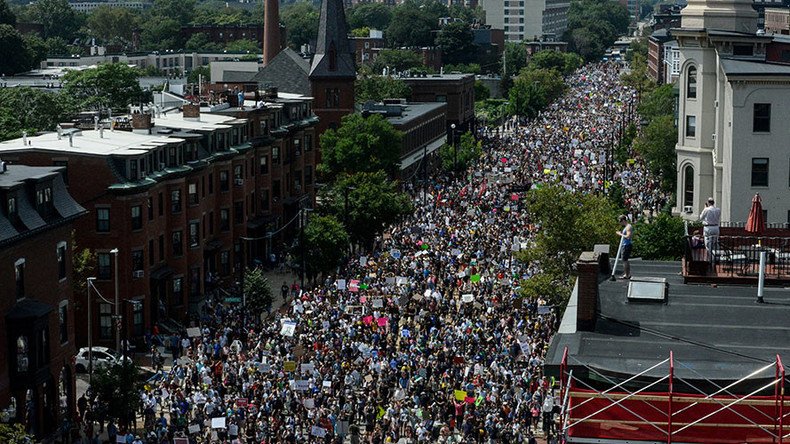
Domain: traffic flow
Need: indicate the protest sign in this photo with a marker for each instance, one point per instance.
(218, 423)
(193, 332)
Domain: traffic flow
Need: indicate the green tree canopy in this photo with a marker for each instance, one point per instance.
(301, 20)
(31, 110)
(113, 85)
(372, 200)
(410, 26)
(370, 15)
(200, 42)
(533, 90)
(244, 45)
(396, 59)
(482, 92)
(378, 88)
(661, 239)
(459, 154)
(258, 293)
(656, 144)
(514, 59)
(658, 102)
(182, 11)
(456, 42)
(57, 17)
(563, 62)
(593, 26)
(112, 24)
(117, 388)
(637, 77)
(326, 244)
(14, 54)
(14, 434)
(568, 223)
(204, 71)
(160, 33)
(7, 16)
(361, 144)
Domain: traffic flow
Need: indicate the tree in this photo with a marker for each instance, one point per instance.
(456, 42)
(14, 55)
(117, 388)
(409, 27)
(525, 99)
(182, 11)
(201, 42)
(31, 110)
(482, 92)
(637, 77)
(195, 75)
(658, 102)
(84, 266)
(361, 32)
(257, 292)
(57, 17)
(593, 26)
(366, 202)
(661, 239)
(563, 62)
(113, 25)
(378, 88)
(637, 46)
(14, 434)
(656, 144)
(244, 45)
(326, 243)
(396, 59)
(7, 16)
(586, 43)
(459, 154)
(361, 144)
(370, 15)
(514, 59)
(301, 20)
(568, 223)
(112, 85)
(160, 33)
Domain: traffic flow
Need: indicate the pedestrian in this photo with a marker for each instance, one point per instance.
(626, 235)
(711, 218)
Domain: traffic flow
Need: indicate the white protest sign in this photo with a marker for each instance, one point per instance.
(309, 403)
(218, 423)
(524, 347)
(193, 332)
(327, 384)
(467, 298)
(363, 260)
(194, 428)
(301, 385)
(378, 303)
(341, 284)
(288, 328)
(396, 254)
(318, 431)
(307, 367)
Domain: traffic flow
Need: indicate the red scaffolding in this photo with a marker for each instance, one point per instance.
(721, 417)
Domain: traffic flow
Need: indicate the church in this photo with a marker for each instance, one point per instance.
(734, 104)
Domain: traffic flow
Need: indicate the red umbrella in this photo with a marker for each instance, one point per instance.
(756, 222)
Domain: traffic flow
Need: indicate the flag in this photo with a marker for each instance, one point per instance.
(381, 413)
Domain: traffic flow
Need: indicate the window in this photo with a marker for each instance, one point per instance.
(161, 247)
(332, 97)
(22, 357)
(238, 212)
(308, 142)
(760, 172)
(275, 154)
(224, 219)
(103, 265)
(276, 189)
(151, 259)
(137, 217)
(224, 262)
(11, 206)
(19, 277)
(762, 118)
(63, 323)
(264, 162)
(178, 245)
(133, 169)
(742, 50)
(61, 252)
(691, 126)
(691, 83)
(688, 186)
(224, 181)
(43, 196)
(194, 234)
(194, 281)
(264, 200)
(105, 321)
(150, 204)
(161, 204)
(138, 262)
(137, 317)
(102, 220)
(193, 194)
(308, 175)
(175, 201)
(177, 289)
(211, 183)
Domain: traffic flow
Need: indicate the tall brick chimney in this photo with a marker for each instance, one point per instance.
(271, 30)
(141, 123)
(191, 111)
(587, 303)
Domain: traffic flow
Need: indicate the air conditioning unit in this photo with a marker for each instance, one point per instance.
(239, 182)
(687, 209)
(138, 274)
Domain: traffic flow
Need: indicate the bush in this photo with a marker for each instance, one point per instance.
(662, 239)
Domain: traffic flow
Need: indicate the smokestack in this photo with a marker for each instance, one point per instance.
(271, 30)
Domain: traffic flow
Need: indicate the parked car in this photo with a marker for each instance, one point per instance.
(101, 356)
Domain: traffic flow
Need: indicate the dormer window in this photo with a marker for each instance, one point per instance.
(44, 196)
(11, 206)
(133, 169)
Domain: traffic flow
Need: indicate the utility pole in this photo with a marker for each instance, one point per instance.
(114, 251)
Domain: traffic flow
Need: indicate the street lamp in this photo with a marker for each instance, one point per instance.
(114, 251)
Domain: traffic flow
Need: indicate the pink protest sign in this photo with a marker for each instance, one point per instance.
(353, 286)
(382, 321)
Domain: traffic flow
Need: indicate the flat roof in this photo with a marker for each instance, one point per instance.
(412, 111)
(438, 77)
(90, 142)
(733, 67)
(720, 332)
(207, 122)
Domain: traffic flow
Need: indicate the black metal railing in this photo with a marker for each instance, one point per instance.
(739, 256)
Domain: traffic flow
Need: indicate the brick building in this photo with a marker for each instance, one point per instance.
(177, 195)
(457, 90)
(366, 48)
(37, 309)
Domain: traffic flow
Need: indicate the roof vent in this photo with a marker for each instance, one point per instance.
(3, 167)
(648, 289)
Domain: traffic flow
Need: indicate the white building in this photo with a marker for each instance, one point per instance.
(671, 61)
(525, 20)
(170, 62)
(733, 108)
(90, 6)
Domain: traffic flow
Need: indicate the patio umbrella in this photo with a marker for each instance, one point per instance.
(756, 222)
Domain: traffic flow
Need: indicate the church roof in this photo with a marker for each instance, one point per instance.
(287, 72)
(333, 40)
(734, 68)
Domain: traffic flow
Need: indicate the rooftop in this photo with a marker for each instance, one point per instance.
(90, 142)
(408, 112)
(437, 77)
(719, 332)
(733, 67)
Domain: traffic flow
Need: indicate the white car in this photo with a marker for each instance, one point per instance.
(101, 356)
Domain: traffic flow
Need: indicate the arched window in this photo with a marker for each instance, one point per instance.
(688, 186)
(691, 83)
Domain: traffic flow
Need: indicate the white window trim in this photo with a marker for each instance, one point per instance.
(65, 246)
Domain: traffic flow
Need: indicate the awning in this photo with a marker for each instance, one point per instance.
(162, 273)
(417, 154)
(29, 309)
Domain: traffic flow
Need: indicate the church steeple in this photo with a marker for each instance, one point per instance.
(333, 54)
(723, 15)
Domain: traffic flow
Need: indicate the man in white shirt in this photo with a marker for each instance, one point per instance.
(711, 218)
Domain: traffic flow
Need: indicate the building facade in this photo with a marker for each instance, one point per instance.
(38, 305)
(525, 20)
(188, 198)
(456, 90)
(733, 102)
(170, 62)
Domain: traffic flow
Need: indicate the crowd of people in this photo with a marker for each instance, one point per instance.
(426, 338)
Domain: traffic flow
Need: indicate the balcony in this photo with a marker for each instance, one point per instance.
(736, 259)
